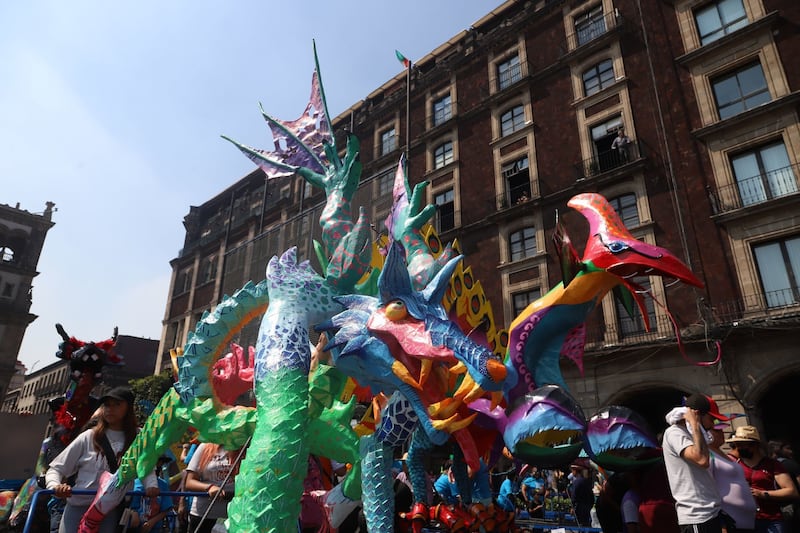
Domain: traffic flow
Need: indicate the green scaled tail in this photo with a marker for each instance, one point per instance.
(162, 428)
(271, 475)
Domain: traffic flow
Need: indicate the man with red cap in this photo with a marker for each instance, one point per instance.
(687, 460)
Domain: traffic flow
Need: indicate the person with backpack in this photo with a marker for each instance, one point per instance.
(96, 450)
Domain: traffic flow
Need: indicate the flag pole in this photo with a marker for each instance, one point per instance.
(408, 109)
(407, 64)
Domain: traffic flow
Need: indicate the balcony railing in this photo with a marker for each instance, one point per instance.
(517, 195)
(629, 331)
(589, 30)
(757, 189)
(510, 77)
(607, 161)
(446, 220)
(771, 304)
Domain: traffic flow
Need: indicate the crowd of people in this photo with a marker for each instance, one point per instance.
(712, 479)
(744, 489)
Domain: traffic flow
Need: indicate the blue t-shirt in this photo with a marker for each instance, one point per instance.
(448, 491)
(481, 488)
(532, 483)
(504, 497)
(138, 502)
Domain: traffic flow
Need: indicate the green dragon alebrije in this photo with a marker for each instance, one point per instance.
(402, 332)
(293, 416)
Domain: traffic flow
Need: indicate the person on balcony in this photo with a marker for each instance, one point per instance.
(622, 145)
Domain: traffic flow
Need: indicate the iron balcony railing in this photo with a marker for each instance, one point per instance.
(588, 30)
(781, 303)
(756, 189)
(509, 78)
(446, 219)
(517, 195)
(609, 160)
(628, 330)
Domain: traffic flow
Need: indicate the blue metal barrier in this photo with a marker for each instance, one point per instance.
(49, 492)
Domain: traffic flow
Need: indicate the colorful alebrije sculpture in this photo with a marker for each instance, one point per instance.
(398, 330)
(71, 411)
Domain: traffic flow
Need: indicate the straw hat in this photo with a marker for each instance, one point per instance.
(745, 434)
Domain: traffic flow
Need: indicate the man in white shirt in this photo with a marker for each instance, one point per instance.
(687, 459)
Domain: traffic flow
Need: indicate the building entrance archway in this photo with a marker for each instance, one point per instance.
(652, 403)
(777, 409)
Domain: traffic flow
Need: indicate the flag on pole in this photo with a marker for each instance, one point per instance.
(403, 59)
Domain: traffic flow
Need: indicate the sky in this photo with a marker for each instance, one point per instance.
(114, 111)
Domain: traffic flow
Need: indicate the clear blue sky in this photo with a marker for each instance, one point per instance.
(113, 110)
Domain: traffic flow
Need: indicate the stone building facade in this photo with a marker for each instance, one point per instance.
(22, 236)
(513, 116)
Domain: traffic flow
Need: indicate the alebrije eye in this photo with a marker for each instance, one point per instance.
(396, 310)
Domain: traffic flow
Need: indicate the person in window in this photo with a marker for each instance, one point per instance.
(94, 451)
(622, 145)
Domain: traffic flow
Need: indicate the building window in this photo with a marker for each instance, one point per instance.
(177, 335)
(779, 269)
(442, 110)
(522, 243)
(718, 19)
(512, 120)
(517, 181)
(388, 141)
(521, 300)
(8, 290)
(625, 206)
(741, 90)
(443, 154)
(590, 25)
(6, 254)
(208, 270)
(603, 136)
(509, 72)
(631, 326)
(445, 211)
(183, 282)
(763, 173)
(598, 77)
(385, 184)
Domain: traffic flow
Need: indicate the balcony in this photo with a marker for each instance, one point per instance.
(607, 161)
(590, 31)
(756, 190)
(772, 305)
(629, 332)
(446, 219)
(517, 195)
(508, 79)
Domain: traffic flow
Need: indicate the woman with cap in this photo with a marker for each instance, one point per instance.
(94, 451)
(769, 482)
